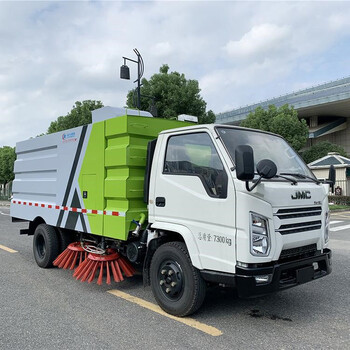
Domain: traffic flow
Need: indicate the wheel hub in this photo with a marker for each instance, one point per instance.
(171, 279)
(40, 246)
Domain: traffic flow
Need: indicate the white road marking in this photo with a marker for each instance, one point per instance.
(336, 222)
(340, 228)
(4, 213)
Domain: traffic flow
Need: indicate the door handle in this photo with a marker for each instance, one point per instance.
(160, 202)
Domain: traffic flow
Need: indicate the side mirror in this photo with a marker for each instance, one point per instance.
(331, 177)
(266, 168)
(244, 163)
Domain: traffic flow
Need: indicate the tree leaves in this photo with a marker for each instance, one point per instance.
(7, 159)
(283, 121)
(173, 95)
(320, 150)
(79, 115)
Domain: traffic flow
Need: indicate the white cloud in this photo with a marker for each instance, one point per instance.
(262, 41)
(162, 49)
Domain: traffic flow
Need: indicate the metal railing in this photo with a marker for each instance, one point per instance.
(342, 187)
(6, 191)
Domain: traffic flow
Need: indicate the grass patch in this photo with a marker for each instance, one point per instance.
(339, 207)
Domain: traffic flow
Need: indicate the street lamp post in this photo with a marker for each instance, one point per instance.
(125, 73)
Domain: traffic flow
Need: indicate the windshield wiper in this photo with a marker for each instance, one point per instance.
(280, 176)
(294, 182)
(303, 177)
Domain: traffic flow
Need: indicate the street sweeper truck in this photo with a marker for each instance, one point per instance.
(188, 205)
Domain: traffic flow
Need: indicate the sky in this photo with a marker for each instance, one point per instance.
(53, 53)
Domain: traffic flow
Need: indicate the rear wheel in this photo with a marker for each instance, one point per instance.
(177, 285)
(45, 245)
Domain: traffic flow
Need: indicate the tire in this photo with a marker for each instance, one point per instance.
(171, 264)
(45, 245)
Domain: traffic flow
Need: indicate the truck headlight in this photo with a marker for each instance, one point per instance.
(259, 235)
(326, 227)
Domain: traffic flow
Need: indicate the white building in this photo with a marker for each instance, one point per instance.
(326, 109)
(320, 168)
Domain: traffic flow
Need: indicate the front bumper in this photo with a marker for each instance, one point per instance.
(281, 275)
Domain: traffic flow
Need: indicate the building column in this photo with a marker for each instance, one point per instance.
(313, 121)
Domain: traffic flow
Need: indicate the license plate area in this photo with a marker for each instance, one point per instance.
(305, 274)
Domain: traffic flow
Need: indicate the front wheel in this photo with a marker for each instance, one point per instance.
(177, 285)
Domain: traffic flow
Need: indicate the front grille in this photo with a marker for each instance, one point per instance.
(299, 227)
(300, 223)
(291, 213)
(300, 252)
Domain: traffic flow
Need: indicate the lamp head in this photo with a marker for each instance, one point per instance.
(124, 72)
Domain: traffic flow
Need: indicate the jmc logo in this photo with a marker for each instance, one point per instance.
(301, 195)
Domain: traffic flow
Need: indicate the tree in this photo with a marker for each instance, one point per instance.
(320, 150)
(283, 121)
(79, 115)
(7, 159)
(173, 95)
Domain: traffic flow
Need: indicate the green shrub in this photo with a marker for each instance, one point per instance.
(320, 150)
(340, 200)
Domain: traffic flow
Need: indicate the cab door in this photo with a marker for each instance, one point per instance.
(192, 189)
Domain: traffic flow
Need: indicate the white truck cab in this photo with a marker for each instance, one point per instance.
(250, 212)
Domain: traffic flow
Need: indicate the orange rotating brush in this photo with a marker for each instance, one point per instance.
(70, 256)
(110, 262)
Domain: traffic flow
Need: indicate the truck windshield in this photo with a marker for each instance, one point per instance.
(265, 146)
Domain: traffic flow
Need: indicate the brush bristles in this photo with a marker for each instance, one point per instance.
(111, 264)
(70, 256)
(94, 263)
